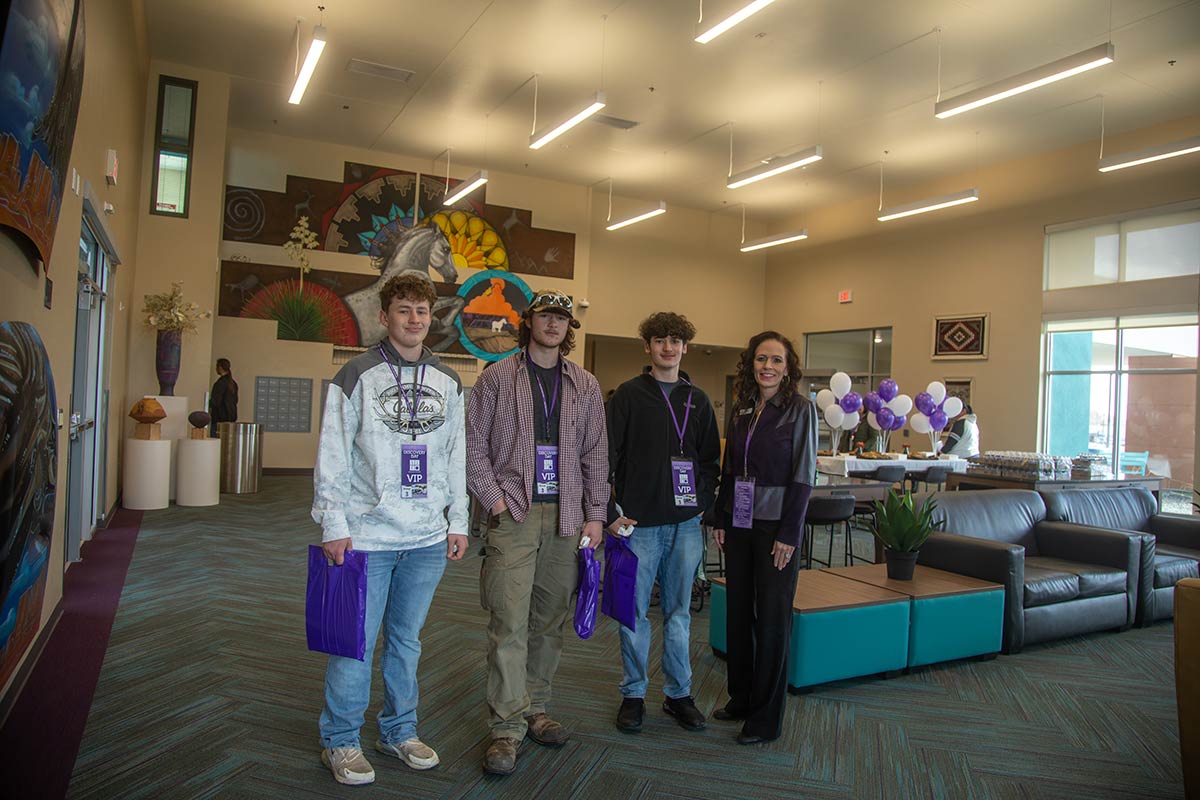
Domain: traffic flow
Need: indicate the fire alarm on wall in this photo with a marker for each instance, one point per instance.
(845, 296)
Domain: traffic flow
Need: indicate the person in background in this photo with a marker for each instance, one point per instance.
(963, 439)
(390, 480)
(537, 458)
(223, 400)
(767, 478)
(664, 452)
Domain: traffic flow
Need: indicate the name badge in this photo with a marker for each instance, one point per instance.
(547, 469)
(683, 478)
(414, 473)
(743, 503)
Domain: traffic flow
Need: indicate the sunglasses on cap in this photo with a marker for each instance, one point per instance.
(552, 299)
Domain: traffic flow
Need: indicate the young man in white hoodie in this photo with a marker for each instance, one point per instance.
(390, 481)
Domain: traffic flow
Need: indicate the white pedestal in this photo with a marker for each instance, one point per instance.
(174, 427)
(198, 472)
(147, 475)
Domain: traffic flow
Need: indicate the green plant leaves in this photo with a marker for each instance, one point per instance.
(899, 526)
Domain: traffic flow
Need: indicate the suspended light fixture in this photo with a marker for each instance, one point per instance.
(774, 241)
(315, 48)
(743, 13)
(1083, 61)
(550, 133)
(466, 187)
(774, 167)
(933, 204)
(1158, 153)
(639, 217)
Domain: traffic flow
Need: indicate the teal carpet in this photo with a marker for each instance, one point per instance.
(207, 690)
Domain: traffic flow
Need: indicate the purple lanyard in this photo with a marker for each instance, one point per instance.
(418, 379)
(687, 412)
(549, 408)
(749, 435)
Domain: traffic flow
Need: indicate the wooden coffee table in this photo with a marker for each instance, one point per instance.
(953, 616)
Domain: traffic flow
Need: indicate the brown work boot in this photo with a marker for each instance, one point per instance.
(544, 730)
(501, 758)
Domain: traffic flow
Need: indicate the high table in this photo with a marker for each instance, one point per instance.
(844, 465)
(977, 480)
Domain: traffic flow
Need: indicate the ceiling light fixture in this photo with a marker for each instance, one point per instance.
(1138, 157)
(774, 241)
(933, 204)
(775, 166)
(1083, 61)
(636, 218)
(546, 135)
(466, 187)
(743, 13)
(315, 48)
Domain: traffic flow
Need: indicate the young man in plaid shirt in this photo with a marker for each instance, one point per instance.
(537, 458)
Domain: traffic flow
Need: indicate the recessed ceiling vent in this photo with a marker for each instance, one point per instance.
(398, 74)
(614, 122)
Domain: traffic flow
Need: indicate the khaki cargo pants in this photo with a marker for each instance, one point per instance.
(527, 580)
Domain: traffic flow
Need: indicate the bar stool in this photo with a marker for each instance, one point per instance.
(934, 475)
(828, 512)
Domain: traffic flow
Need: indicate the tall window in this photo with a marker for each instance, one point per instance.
(1135, 249)
(174, 133)
(865, 355)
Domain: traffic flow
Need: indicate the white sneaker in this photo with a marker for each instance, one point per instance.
(413, 752)
(348, 765)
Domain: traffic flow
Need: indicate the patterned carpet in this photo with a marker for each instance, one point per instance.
(207, 691)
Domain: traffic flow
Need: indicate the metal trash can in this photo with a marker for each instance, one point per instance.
(241, 456)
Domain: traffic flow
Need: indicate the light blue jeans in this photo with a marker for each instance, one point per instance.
(670, 553)
(400, 587)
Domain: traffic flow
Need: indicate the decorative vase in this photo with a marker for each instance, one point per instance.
(900, 564)
(166, 361)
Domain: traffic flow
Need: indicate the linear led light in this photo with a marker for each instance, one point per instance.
(733, 19)
(310, 63)
(774, 167)
(1091, 58)
(654, 212)
(1110, 163)
(774, 241)
(921, 206)
(546, 135)
(466, 187)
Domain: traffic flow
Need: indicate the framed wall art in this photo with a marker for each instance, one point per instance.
(963, 336)
(960, 388)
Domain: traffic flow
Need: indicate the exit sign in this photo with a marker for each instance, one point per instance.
(845, 296)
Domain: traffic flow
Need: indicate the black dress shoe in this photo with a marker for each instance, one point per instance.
(684, 710)
(750, 738)
(728, 715)
(629, 716)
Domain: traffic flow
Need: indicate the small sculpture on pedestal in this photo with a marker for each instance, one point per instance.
(200, 421)
(148, 413)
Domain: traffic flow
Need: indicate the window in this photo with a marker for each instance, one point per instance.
(1135, 249)
(864, 355)
(175, 130)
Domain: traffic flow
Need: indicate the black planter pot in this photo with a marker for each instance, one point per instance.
(900, 564)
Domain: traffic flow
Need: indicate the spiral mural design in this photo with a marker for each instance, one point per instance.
(244, 214)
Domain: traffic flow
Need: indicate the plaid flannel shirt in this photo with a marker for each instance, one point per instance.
(500, 443)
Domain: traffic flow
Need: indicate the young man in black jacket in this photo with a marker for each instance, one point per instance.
(664, 457)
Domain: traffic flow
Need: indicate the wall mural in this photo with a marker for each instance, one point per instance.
(28, 470)
(41, 80)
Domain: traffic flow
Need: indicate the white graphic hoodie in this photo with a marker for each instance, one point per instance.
(368, 416)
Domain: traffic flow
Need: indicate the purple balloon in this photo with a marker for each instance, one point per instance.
(924, 403)
(872, 402)
(885, 418)
(938, 419)
(899, 422)
(888, 391)
(851, 402)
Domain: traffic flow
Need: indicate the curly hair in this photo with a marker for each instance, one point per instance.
(665, 324)
(524, 333)
(745, 388)
(407, 286)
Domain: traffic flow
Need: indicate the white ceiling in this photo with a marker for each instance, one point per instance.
(875, 62)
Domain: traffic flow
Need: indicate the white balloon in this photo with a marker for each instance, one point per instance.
(874, 423)
(825, 399)
(840, 383)
(953, 407)
(919, 423)
(937, 390)
(900, 405)
(851, 421)
(834, 416)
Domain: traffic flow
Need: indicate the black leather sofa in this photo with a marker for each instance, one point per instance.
(1059, 579)
(1171, 550)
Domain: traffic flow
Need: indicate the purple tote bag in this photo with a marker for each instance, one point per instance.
(335, 611)
(620, 582)
(589, 593)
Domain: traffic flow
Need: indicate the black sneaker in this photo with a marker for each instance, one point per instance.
(684, 710)
(629, 717)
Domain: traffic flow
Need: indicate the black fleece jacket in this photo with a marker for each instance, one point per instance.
(642, 441)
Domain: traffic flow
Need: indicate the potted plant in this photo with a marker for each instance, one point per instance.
(171, 317)
(902, 530)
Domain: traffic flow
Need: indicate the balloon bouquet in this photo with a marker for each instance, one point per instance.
(840, 407)
(934, 412)
(887, 410)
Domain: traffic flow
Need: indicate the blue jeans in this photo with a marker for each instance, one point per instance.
(400, 587)
(670, 553)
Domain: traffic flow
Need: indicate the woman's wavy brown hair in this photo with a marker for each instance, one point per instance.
(745, 388)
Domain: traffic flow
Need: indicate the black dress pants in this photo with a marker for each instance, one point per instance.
(758, 627)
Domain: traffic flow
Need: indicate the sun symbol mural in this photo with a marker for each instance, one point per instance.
(474, 243)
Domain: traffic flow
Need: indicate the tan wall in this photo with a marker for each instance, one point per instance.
(110, 116)
(985, 257)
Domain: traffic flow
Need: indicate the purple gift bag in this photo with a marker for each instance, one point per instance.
(589, 593)
(620, 581)
(335, 611)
